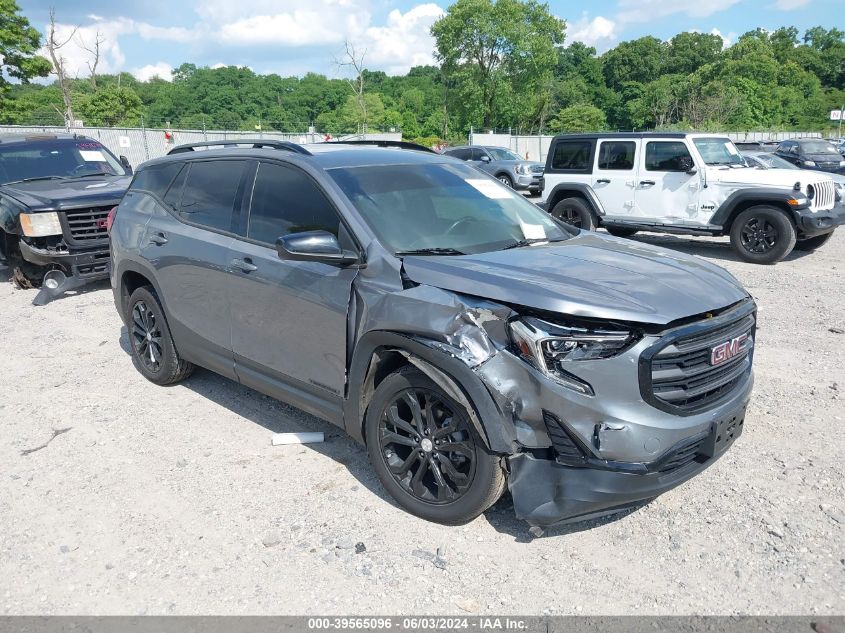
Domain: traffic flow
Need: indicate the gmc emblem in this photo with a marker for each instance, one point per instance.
(723, 352)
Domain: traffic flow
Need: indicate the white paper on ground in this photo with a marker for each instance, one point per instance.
(491, 189)
(297, 438)
(533, 231)
(92, 156)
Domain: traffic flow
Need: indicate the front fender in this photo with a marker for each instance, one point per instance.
(448, 371)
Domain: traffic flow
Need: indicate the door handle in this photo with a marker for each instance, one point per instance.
(244, 265)
(603, 181)
(649, 183)
(159, 239)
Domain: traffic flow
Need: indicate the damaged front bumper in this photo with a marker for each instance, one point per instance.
(546, 491)
(68, 270)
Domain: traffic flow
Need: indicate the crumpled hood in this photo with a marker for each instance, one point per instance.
(72, 193)
(589, 275)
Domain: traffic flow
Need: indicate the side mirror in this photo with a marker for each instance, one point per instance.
(126, 164)
(484, 159)
(314, 246)
(686, 164)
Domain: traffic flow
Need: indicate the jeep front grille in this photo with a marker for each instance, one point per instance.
(822, 195)
(87, 225)
(677, 373)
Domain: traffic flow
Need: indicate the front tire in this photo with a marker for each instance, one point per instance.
(763, 235)
(812, 243)
(153, 351)
(575, 212)
(505, 180)
(427, 453)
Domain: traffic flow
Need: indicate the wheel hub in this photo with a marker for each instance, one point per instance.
(427, 445)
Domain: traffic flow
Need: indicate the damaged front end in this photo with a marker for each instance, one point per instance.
(561, 400)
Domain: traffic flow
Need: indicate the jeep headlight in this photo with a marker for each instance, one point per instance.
(40, 224)
(551, 347)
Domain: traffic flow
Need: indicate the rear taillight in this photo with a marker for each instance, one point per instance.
(110, 219)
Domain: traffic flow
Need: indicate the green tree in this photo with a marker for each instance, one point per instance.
(19, 43)
(110, 106)
(578, 118)
(487, 46)
(640, 61)
(690, 51)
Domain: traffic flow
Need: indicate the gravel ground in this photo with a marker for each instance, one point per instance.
(153, 500)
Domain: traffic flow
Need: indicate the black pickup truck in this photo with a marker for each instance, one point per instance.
(56, 192)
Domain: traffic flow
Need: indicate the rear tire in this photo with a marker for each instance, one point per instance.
(409, 446)
(812, 243)
(619, 231)
(762, 235)
(25, 275)
(153, 352)
(575, 212)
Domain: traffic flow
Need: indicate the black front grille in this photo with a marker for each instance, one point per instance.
(537, 169)
(679, 373)
(682, 456)
(87, 225)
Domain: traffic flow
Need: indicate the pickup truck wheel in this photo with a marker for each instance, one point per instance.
(762, 235)
(812, 243)
(575, 212)
(24, 274)
(153, 351)
(426, 452)
(619, 231)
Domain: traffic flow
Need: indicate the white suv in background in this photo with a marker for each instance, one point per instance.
(692, 184)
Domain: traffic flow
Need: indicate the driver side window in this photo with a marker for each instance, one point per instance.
(667, 156)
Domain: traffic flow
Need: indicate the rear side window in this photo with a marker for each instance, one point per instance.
(210, 192)
(617, 155)
(286, 200)
(572, 156)
(463, 153)
(666, 156)
(156, 179)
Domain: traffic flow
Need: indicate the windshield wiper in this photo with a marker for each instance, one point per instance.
(521, 243)
(96, 173)
(14, 182)
(431, 251)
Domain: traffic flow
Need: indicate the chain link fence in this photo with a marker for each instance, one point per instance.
(140, 144)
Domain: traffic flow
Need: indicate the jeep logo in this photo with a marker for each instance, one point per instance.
(723, 352)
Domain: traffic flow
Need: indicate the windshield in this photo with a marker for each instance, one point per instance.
(818, 147)
(502, 154)
(718, 151)
(58, 158)
(451, 208)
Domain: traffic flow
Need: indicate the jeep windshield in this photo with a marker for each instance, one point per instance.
(43, 159)
(443, 209)
(719, 151)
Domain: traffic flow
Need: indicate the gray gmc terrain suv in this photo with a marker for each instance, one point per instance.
(470, 340)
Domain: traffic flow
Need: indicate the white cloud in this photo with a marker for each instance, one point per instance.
(648, 10)
(162, 70)
(405, 40)
(727, 39)
(790, 5)
(598, 32)
(74, 53)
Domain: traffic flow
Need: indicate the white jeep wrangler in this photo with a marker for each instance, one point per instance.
(691, 184)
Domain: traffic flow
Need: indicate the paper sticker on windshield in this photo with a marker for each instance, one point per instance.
(731, 149)
(533, 231)
(490, 189)
(92, 156)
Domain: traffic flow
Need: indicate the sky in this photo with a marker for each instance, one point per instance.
(293, 37)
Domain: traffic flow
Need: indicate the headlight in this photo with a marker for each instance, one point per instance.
(550, 347)
(524, 169)
(40, 224)
(842, 163)
(810, 163)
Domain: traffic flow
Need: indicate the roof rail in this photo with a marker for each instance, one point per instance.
(255, 143)
(385, 143)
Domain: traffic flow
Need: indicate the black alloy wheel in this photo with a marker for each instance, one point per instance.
(146, 336)
(758, 235)
(427, 446)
